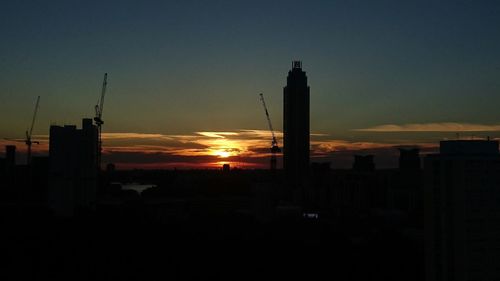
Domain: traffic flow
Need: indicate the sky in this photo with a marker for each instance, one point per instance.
(184, 76)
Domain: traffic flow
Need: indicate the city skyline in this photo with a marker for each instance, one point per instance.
(223, 140)
(380, 77)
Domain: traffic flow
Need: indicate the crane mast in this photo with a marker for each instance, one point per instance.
(274, 143)
(98, 119)
(29, 133)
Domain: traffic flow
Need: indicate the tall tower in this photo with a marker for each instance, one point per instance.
(296, 125)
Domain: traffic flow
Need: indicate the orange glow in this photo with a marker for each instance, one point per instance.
(223, 147)
(222, 153)
(244, 149)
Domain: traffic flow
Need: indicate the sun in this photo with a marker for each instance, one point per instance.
(223, 148)
(222, 153)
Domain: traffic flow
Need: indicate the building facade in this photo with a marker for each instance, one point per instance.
(462, 211)
(296, 125)
(72, 168)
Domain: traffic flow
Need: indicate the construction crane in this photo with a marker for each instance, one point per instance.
(29, 132)
(274, 143)
(98, 119)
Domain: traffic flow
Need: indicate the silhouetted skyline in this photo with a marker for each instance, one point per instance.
(384, 74)
(389, 165)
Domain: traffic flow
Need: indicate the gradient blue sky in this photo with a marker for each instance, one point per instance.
(189, 66)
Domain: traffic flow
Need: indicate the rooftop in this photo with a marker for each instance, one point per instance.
(469, 147)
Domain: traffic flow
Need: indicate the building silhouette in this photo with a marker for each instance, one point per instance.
(462, 211)
(296, 125)
(10, 155)
(363, 163)
(409, 159)
(10, 158)
(72, 168)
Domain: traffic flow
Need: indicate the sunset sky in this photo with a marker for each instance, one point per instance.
(184, 76)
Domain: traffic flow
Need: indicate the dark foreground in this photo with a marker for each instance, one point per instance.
(127, 244)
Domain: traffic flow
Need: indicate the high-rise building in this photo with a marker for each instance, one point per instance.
(296, 125)
(72, 168)
(462, 211)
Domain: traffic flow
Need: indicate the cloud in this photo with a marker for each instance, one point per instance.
(127, 136)
(217, 134)
(242, 148)
(196, 150)
(432, 127)
(262, 133)
(331, 147)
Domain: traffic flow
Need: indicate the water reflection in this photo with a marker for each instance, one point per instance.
(136, 186)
